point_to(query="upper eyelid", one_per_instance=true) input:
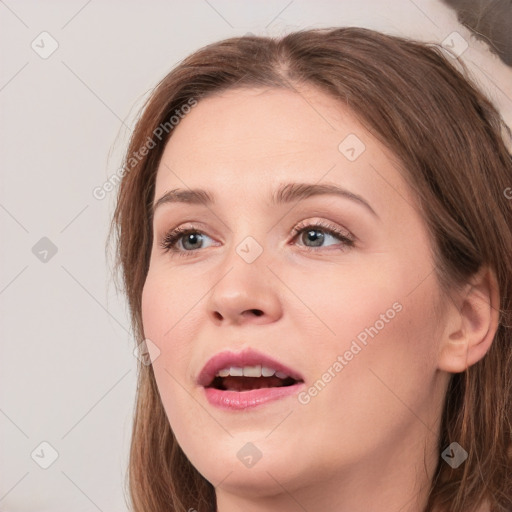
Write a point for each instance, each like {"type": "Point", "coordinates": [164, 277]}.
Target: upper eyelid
{"type": "Point", "coordinates": [323, 224]}
{"type": "Point", "coordinates": [313, 221]}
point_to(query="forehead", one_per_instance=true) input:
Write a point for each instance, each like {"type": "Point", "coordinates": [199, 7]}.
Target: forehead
{"type": "Point", "coordinates": [258, 124]}
{"type": "Point", "coordinates": [247, 141]}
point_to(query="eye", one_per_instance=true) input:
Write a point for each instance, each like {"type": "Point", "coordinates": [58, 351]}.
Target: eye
{"type": "Point", "coordinates": [190, 239]}
{"type": "Point", "coordinates": [318, 233]}
{"type": "Point", "coordinates": [185, 241]}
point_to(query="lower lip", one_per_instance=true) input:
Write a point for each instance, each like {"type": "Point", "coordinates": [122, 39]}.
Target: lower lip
{"type": "Point", "coordinates": [235, 400]}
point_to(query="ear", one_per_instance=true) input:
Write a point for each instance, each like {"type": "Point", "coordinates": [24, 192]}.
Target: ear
{"type": "Point", "coordinates": [471, 321]}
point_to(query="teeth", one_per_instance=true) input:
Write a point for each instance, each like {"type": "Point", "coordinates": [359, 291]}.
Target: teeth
{"type": "Point", "coordinates": [236, 371]}
{"type": "Point", "coordinates": [250, 371]}
{"type": "Point", "coordinates": [267, 372]}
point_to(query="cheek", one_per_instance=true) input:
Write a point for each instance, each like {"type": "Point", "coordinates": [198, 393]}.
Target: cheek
{"type": "Point", "coordinates": [169, 315]}
{"type": "Point", "coordinates": [380, 346]}
{"type": "Point", "coordinates": [169, 321]}
{"type": "Point", "coordinates": [174, 316]}
{"type": "Point", "coordinates": [368, 301]}
{"type": "Point", "coordinates": [384, 366]}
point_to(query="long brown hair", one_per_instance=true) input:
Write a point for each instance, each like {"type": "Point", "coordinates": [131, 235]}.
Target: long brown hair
{"type": "Point", "coordinates": [452, 145]}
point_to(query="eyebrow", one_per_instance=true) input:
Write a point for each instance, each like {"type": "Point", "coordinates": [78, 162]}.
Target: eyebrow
{"type": "Point", "coordinates": [286, 193]}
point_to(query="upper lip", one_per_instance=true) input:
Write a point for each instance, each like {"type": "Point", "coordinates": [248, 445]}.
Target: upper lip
{"type": "Point", "coordinates": [247, 357]}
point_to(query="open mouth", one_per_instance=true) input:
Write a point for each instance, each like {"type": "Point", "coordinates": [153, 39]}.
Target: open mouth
{"type": "Point", "coordinates": [249, 378]}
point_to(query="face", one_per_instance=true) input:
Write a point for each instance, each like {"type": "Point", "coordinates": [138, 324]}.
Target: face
{"type": "Point", "coordinates": [336, 290]}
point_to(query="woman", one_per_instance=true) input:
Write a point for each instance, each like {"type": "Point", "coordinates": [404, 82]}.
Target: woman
{"type": "Point", "coordinates": [315, 239]}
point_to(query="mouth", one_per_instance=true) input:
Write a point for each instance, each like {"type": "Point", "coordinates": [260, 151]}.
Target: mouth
{"type": "Point", "coordinates": [247, 379]}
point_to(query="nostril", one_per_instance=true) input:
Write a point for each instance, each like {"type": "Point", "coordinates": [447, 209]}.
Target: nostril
{"type": "Point", "coordinates": [255, 312]}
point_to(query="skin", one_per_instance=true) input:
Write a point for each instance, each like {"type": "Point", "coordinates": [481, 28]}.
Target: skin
{"type": "Point", "coordinates": [367, 441]}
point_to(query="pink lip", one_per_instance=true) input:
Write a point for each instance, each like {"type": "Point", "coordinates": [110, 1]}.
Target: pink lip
{"type": "Point", "coordinates": [245, 399]}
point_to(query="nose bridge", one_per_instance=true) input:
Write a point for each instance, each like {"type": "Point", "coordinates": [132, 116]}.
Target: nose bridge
{"type": "Point", "coordinates": [245, 287]}
{"type": "Point", "coordinates": [249, 242]}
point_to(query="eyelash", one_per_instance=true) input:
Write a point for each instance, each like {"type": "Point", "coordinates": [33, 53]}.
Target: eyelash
{"type": "Point", "coordinates": [169, 241]}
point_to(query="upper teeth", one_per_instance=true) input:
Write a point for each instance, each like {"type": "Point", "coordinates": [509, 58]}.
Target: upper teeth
{"type": "Point", "coordinates": [250, 371]}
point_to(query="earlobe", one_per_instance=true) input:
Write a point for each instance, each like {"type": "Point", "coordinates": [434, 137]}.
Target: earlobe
{"type": "Point", "coordinates": [471, 323]}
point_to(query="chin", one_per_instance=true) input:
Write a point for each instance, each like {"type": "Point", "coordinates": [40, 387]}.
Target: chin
{"type": "Point", "coordinates": [250, 468]}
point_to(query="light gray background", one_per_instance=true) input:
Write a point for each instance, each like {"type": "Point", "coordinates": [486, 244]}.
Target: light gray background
{"type": "Point", "coordinates": [66, 367]}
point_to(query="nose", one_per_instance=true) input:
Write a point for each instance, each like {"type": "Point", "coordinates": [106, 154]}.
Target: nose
{"type": "Point", "coordinates": [245, 293]}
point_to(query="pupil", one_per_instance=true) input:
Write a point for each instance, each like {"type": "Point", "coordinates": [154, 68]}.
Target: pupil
{"type": "Point", "coordinates": [314, 237]}
{"type": "Point", "coordinates": [191, 237]}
